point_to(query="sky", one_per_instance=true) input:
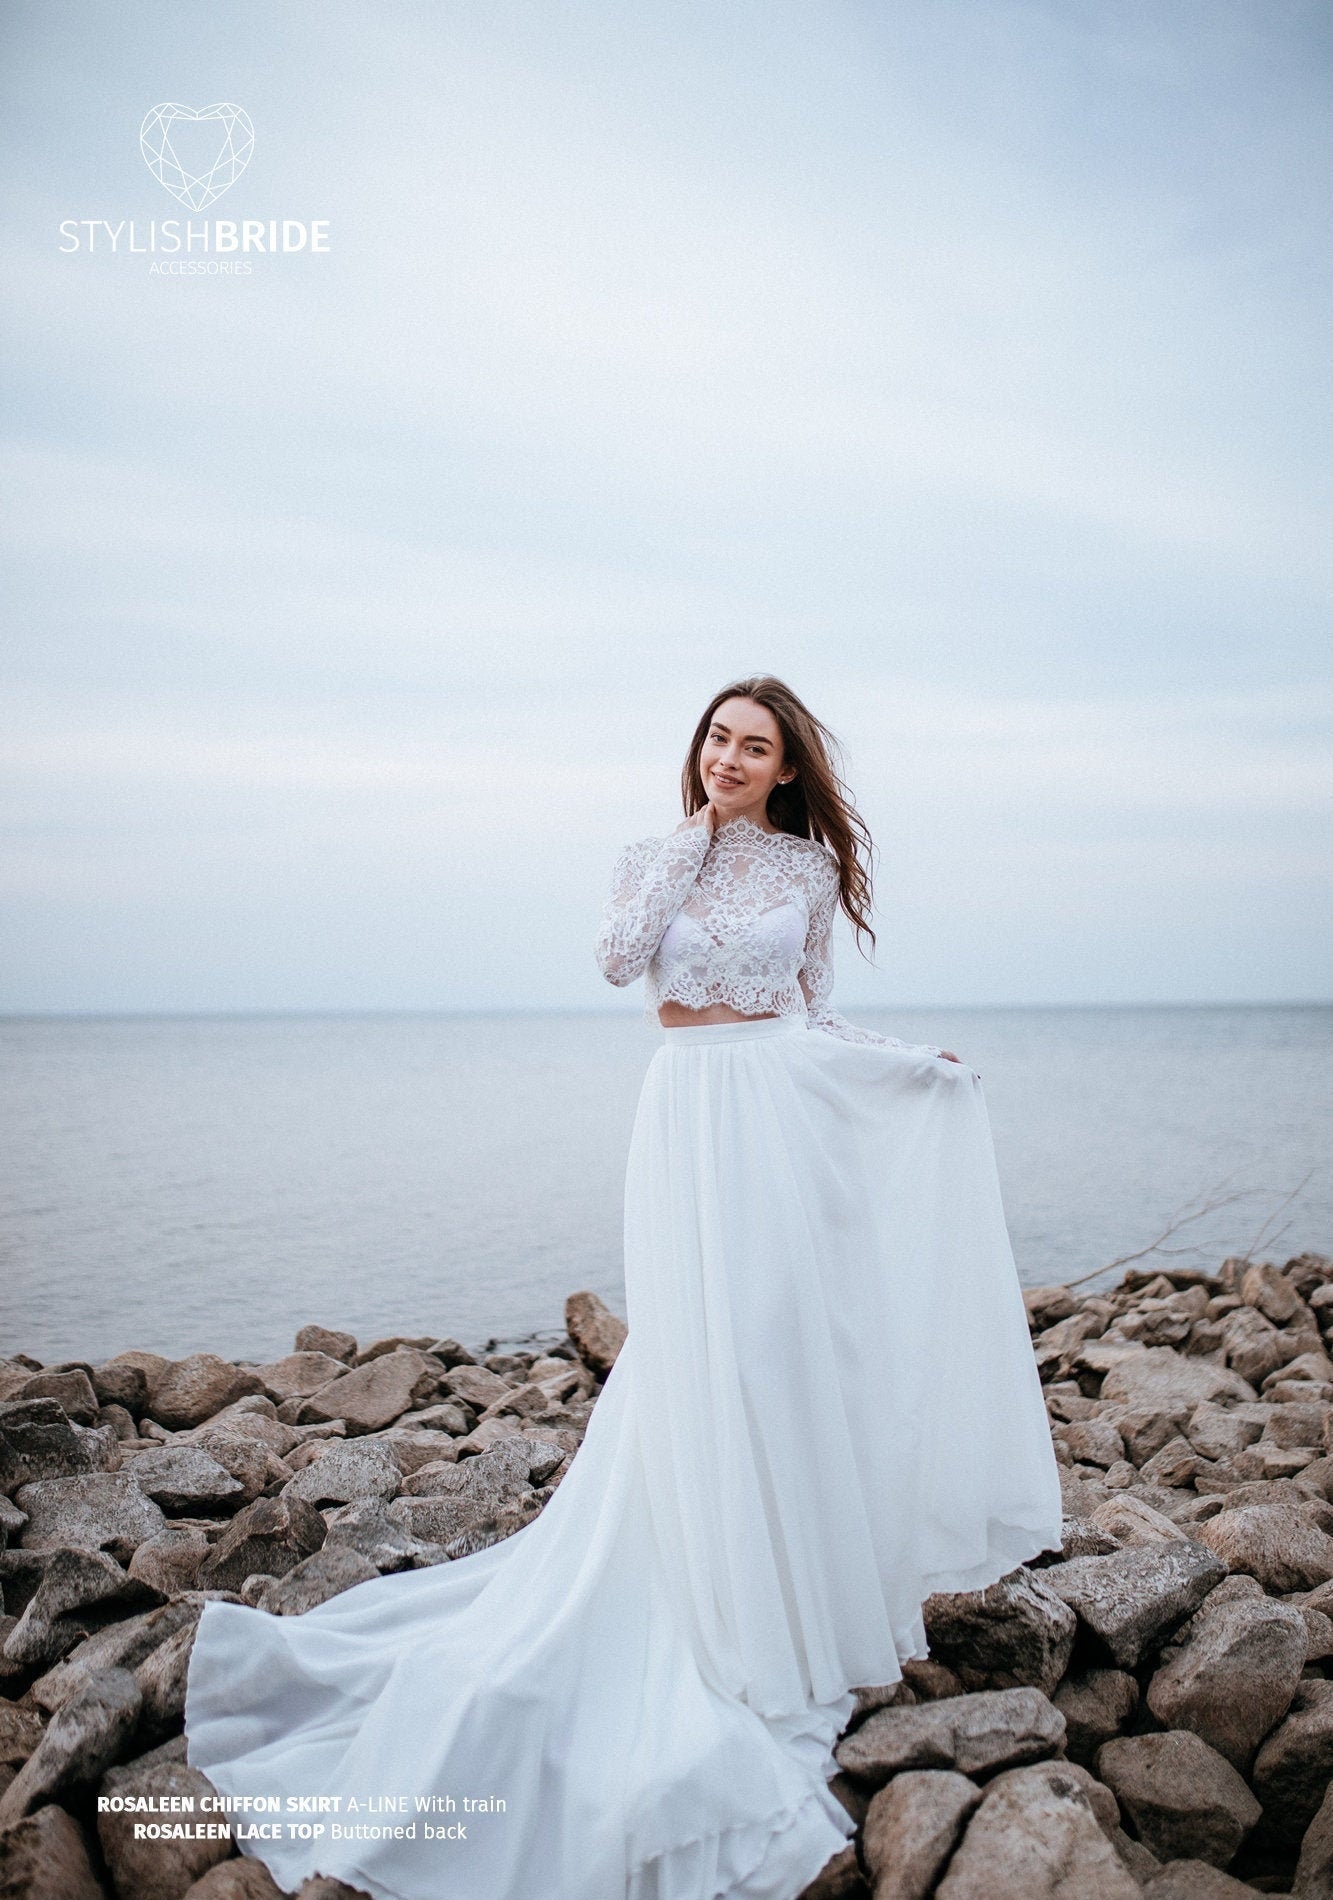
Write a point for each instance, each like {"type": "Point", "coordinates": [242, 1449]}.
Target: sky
{"type": "Point", "coordinates": [964, 364]}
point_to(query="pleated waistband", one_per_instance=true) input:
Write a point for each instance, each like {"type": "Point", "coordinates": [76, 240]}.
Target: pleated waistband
{"type": "Point", "coordinates": [734, 1032]}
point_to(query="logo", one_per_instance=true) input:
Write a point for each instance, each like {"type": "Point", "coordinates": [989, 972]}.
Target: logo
{"type": "Point", "coordinates": [196, 154]}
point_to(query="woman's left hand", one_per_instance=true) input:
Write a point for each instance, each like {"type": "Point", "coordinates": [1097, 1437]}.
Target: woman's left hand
{"type": "Point", "coordinates": [949, 1055]}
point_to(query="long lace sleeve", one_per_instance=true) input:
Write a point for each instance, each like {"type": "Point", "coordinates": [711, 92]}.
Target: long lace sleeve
{"type": "Point", "coordinates": [816, 980]}
{"type": "Point", "coordinates": [650, 882]}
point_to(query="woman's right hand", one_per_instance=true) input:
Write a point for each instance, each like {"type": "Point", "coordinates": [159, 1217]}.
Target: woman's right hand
{"type": "Point", "coordinates": [705, 816]}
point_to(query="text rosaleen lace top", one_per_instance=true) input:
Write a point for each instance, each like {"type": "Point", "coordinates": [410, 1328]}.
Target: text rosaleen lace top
{"type": "Point", "coordinates": [741, 916]}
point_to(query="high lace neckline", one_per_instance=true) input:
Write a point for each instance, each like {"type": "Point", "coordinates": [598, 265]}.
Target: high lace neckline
{"type": "Point", "coordinates": [748, 824]}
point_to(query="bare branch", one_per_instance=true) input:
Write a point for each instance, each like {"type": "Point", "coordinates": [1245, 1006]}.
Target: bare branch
{"type": "Point", "coordinates": [1192, 1210]}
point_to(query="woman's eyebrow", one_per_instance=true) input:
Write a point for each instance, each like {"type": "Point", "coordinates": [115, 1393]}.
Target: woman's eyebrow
{"type": "Point", "coordinates": [751, 738]}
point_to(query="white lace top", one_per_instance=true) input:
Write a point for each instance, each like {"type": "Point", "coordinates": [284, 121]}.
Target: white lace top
{"type": "Point", "coordinates": [741, 916]}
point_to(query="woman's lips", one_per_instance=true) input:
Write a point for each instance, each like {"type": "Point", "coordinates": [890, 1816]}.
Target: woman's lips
{"type": "Point", "coordinates": [726, 784]}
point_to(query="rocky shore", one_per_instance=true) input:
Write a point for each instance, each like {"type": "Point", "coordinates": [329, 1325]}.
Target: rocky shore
{"type": "Point", "coordinates": [1147, 1711]}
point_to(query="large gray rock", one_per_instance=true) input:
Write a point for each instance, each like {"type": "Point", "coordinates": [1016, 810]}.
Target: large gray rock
{"type": "Point", "coordinates": [38, 1442]}
{"type": "Point", "coordinates": [193, 1389]}
{"type": "Point", "coordinates": [20, 1732]}
{"type": "Point", "coordinates": [80, 1740]}
{"type": "Point", "coordinates": [269, 1537]}
{"type": "Point", "coordinates": [298, 1375]}
{"type": "Point", "coordinates": [347, 1472]}
{"type": "Point", "coordinates": [72, 1391]}
{"type": "Point", "coordinates": [1295, 1764]}
{"type": "Point", "coordinates": [1254, 1346]}
{"type": "Point", "coordinates": [1186, 1801]}
{"type": "Point", "coordinates": [1159, 1378]}
{"type": "Point", "coordinates": [170, 1561]}
{"type": "Point", "coordinates": [1218, 1431]}
{"type": "Point", "coordinates": [994, 1728]}
{"type": "Point", "coordinates": [71, 1580]}
{"type": "Point", "coordinates": [477, 1386]}
{"type": "Point", "coordinates": [912, 1827]}
{"type": "Point", "coordinates": [1014, 1632]}
{"type": "Point", "coordinates": [375, 1394]}
{"type": "Point", "coordinates": [185, 1478]}
{"type": "Point", "coordinates": [1131, 1600]}
{"type": "Point", "coordinates": [157, 1869]}
{"type": "Point", "coordinates": [100, 1511]}
{"type": "Point", "coordinates": [1276, 1543]}
{"type": "Point", "coordinates": [1036, 1835]}
{"type": "Point", "coordinates": [161, 1677]}
{"type": "Point", "coordinates": [367, 1528]}
{"type": "Point", "coordinates": [1194, 1880]}
{"type": "Point", "coordinates": [1132, 1520]}
{"type": "Point", "coordinates": [1233, 1675]}
{"type": "Point", "coordinates": [327, 1340]}
{"type": "Point", "coordinates": [597, 1332]}
{"type": "Point", "coordinates": [123, 1645]}
{"type": "Point", "coordinates": [239, 1879]}
{"type": "Point", "coordinates": [1314, 1870]}
{"type": "Point", "coordinates": [315, 1580]}
{"type": "Point", "coordinates": [45, 1857]}
{"type": "Point", "coordinates": [243, 1450]}
{"type": "Point", "coordinates": [1096, 1704]}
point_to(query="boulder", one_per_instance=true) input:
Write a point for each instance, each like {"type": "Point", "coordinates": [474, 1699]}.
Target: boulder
{"type": "Point", "coordinates": [20, 1732]}
{"type": "Point", "coordinates": [1014, 1632]}
{"type": "Point", "coordinates": [81, 1739]}
{"type": "Point", "coordinates": [1130, 1601]}
{"type": "Point", "coordinates": [1295, 1425]}
{"type": "Point", "coordinates": [101, 1511]}
{"type": "Point", "coordinates": [246, 1456]}
{"type": "Point", "coordinates": [1144, 1429]}
{"type": "Point", "coordinates": [159, 1869]}
{"type": "Point", "coordinates": [374, 1394]}
{"type": "Point", "coordinates": [993, 1728]}
{"type": "Point", "coordinates": [347, 1472]}
{"type": "Point", "coordinates": [1160, 1378]}
{"type": "Point", "coordinates": [1045, 1305]}
{"type": "Point", "coordinates": [1254, 1346]}
{"type": "Point", "coordinates": [37, 1442]}
{"type": "Point", "coordinates": [367, 1528]}
{"type": "Point", "coordinates": [193, 1389]}
{"type": "Point", "coordinates": [271, 1536]}
{"type": "Point", "coordinates": [72, 1392]}
{"type": "Point", "coordinates": [1092, 1441]}
{"type": "Point", "coordinates": [596, 1332]}
{"type": "Point", "coordinates": [124, 1645]}
{"type": "Point", "coordinates": [1233, 1675]}
{"type": "Point", "coordinates": [72, 1579]}
{"type": "Point", "coordinates": [1175, 1465]}
{"type": "Point", "coordinates": [161, 1678]}
{"type": "Point", "coordinates": [45, 1857]}
{"type": "Point", "coordinates": [1276, 1543]}
{"type": "Point", "coordinates": [185, 1478]}
{"type": "Point", "coordinates": [1096, 1704]}
{"type": "Point", "coordinates": [238, 1879]}
{"type": "Point", "coordinates": [477, 1386]}
{"type": "Point", "coordinates": [1132, 1521]}
{"type": "Point", "coordinates": [1267, 1288]}
{"type": "Point", "coordinates": [120, 1382]}
{"type": "Point", "coordinates": [315, 1580]}
{"type": "Point", "coordinates": [1293, 1768]}
{"type": "Point", "coordinates": [1194, 1880]}
{"type": "Point", "coordinates": [335, 1345]}
{"type": "Point", "coordinates": [1185, 1800]}
{"type": "Point", "coordinates": [1036, 1834]}
{"type": "Point", "coordinates": [911, 1828]}
{"type": "Point", "coordinates": [1314, 1870]}
{"type": "Point", "coordinates": [1216, 1431]}
{"type": "Point", "coordinates": [299, 1375]}
{"type": "Point", "coordinates": [170, 1561]}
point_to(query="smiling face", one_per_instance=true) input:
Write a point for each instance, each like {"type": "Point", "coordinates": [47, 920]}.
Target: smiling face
{"type": "Point", "coordinates": [741, 760]}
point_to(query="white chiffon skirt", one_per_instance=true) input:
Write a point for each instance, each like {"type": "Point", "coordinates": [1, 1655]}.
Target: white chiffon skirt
{"type": "Point", "coordinates": [827, 1408]}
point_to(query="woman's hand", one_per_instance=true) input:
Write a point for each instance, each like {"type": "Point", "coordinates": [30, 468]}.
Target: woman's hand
{"type": "Point", "coordinates": [706, 816]}
{"type": "Point", "coordinates": [949, 1055]}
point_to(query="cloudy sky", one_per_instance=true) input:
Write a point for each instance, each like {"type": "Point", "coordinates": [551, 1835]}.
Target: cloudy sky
{"type": "Point", "coordinates": [965, 364]}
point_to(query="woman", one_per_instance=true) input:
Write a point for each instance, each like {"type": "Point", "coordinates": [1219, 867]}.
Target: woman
{"type": "Point", "coordinates": [826, 1409]}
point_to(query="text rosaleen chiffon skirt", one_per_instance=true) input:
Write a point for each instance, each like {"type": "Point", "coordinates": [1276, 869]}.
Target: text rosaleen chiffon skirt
{"type": "Point", "coordinates": [827, 1408]}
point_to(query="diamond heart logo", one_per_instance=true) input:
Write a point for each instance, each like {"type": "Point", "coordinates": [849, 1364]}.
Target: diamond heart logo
{"type": "Point", "coordinates": [196, 154]}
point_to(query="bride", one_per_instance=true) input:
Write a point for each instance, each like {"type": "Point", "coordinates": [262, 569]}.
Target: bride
{"type": "Point", "coordinates": [826, 1409]}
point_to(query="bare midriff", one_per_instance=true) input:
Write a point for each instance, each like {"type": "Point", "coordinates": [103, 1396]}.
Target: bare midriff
{"type": "Point", "coordinates": [676, 1016]}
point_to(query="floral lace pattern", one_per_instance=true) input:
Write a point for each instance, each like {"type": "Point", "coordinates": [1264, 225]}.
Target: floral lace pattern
{"type": "Point", "coordinates": [741, 916]}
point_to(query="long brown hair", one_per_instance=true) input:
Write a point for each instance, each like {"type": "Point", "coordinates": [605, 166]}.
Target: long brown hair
{"type": "Point", "coordinates": [815, 804]}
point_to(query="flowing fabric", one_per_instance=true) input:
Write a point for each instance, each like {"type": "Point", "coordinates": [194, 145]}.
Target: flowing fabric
{"type": "Point", "coordinates": [827, 1408]}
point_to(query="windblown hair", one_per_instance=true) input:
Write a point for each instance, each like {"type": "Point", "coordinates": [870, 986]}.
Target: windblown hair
{"type": "Point", "coordinates": [815, 804]}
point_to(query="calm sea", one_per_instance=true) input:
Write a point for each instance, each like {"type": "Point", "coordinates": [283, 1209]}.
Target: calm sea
{"type": "Point", "coordinates": [214, 1182]}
